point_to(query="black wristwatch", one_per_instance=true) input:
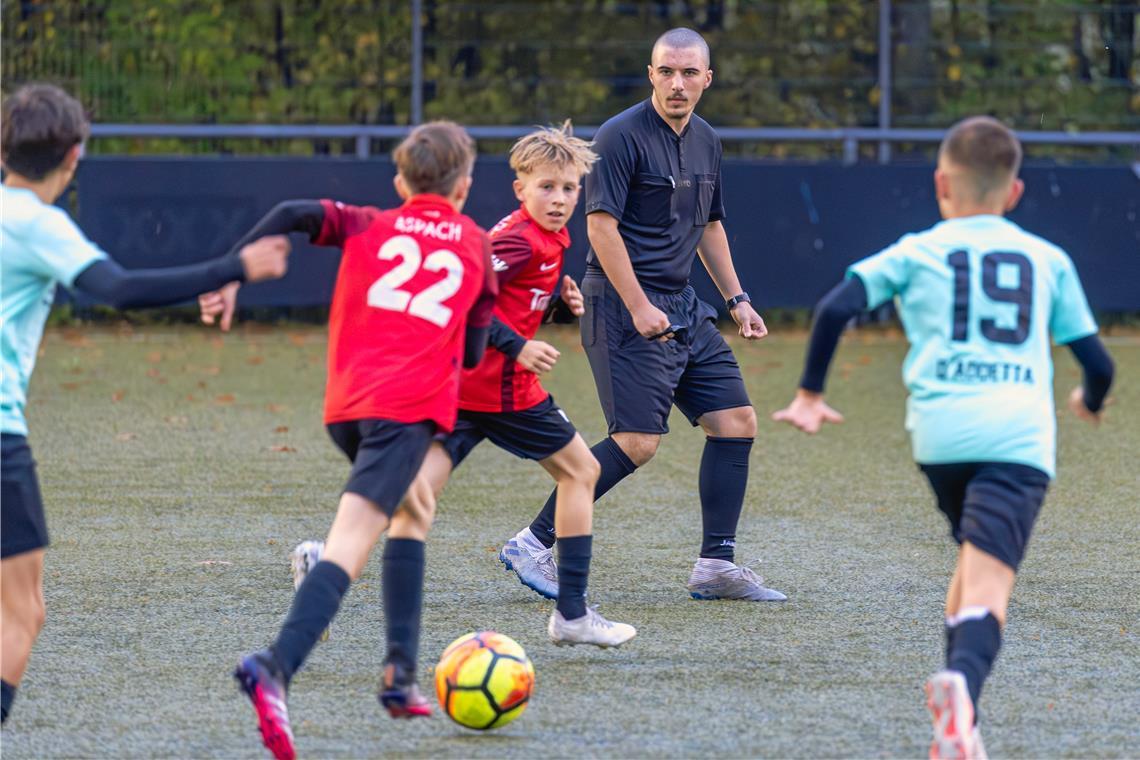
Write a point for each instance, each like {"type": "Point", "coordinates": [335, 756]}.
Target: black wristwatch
{"type": "Point", "coordinates": [735, 301]}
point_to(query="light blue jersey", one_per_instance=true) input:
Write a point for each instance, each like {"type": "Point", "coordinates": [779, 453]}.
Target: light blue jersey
{"type": "Point", "coordinates": [979, 297]}
{"type": "Point", "coordinates": [39, 246]}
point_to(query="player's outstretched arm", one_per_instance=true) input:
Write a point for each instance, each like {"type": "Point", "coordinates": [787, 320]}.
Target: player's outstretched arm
{"type": "Point", "coordinates": [1087, 401]}
{"type": "Point", "coordinates": [141, 288]}
{"type": "Point", "coordinates": [717, 258]}
{"type": "Point", "coordinates": [306, 216]}
{"type": "Point", "coordinates": [808, 411]}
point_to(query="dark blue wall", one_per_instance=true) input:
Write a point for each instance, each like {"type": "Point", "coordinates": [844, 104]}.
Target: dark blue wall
{"type": "Point", "coordinates": [793, 227]}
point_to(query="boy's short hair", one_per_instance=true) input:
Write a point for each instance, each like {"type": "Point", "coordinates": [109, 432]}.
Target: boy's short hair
{"type": "Point", "coordinates": [985, 148]}
{"type": "Point", "coordinates": [41, 124]}
{"type": "Point", "coordinates": [552, 145]}
{"type": "Point", "coordinates": [434, 156]}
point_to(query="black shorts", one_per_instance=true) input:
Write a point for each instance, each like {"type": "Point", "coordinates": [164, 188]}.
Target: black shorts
{"type": "Point", "coordinates": [640, 380]}
{"type": "Point", "coordinates": [385, 456]}
{"type": "Point", "coordinates": [534, 433]}
{"type": "Point", "coordinates": [993, 505]}
{"type": "Point", "coordinates": [23, 527]}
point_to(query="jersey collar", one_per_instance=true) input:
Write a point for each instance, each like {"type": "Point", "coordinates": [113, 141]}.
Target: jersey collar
{"type": "Point", "coordinates": [562, 237]}
{"type": "Point", "coordinates": [660, 122]}
{"type": "Point", "coordinates": [429, 200]}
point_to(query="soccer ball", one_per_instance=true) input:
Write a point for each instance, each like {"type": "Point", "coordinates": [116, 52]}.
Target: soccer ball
{"type": "Point", "coordinates": [484, 680]}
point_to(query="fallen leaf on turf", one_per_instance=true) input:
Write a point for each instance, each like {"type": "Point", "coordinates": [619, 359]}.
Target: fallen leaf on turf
{"type": "Point", "coordinates": [273, 407]}
{"type": "Point", "coordinates": [272, 542]}
{"type": "Point", "coordinates": [191, 397]}
{"type": "Point", "coordinates": [75, 371]}
{"type": "Point", "coordinates": [69, 386]}
{"type": "Point", "coordinates": [864, 359]}
{"type": "Point", "coordinates": [154, 357]}
{"type": "Point", "coordinates": [297, 339]}
{"type": "Point", "coordinates": [283, 449]}
{"type": "Point", "coordinates": [153, 372]}
{"type": "Point", "coordinates": [76, 339]}
{"type": "Point", "coordinates": [177, 420]}
{"type": "Point", "coordinates": [125, 437]}
{"type": "Point", "coordinates": [254, 360]}
{"type": "Point", "coordinates": [281, 429]}
{"type": "Point", "coordinates": [224, 398]}
{"type": "Point", "coordinates": [214, 562]}
{"type": "Point", "coordinates": [117, 396]}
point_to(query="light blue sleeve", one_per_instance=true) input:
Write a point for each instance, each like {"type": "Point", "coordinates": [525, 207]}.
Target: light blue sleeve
{"type": "Point", "coordinates": [62, 251]}
{"type": "Point", "coordinates": [885, 274]}
{"type": "Point", "coordinates": [1071, 318]}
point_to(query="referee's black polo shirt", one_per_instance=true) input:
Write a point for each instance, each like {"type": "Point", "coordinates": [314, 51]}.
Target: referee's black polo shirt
{"type": "Point", "coordinates": [663, 188]}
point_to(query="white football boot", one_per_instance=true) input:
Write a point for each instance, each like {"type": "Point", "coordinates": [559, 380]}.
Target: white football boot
{"type": "Point", "coordinates": [304, 558]}
{"type": "Point", "coordinates": [591, 628]}
{"type": "Point", "coordinates": [956, 737]}
{"type": "Point", "coordinates": [721, 579]}
{"type": "Point", "coordinates": [532, 562]}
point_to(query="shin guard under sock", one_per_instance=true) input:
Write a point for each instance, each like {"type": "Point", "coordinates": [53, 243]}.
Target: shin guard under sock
{"type": "Point", "coordinates": [573, 574]}
{"type": "Point", "coordinates": [723, 479]}
{"type": "Point", "coordinates": [975, 645]}
{"type": "Point", "coordinates": [403, 591]}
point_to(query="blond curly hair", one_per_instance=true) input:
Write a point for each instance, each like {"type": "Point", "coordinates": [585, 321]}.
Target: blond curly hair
{"type": "Point", "coordinates": [552, 145]}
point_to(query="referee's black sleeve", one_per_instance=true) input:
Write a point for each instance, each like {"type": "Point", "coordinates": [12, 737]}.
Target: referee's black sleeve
{"type": "Point", "coordinates": [607, 185]}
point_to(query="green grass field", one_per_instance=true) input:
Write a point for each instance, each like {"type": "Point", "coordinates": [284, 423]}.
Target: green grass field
{"type": "Point", "coordinates": [180, 467]}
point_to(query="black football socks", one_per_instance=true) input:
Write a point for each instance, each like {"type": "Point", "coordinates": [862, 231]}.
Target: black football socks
{"type": "Point", "coordinates": [723, 479]}
{"type": "Point", "coordinates": [616, 466]}
{"type": "Point", "coordinates": [403, 591]}
{"type": "Point", "coordinates": [573, 574]}
{"type": "Point", "coordinates": [314, 607]}
{"type": "Point", "coordinates": [974, 646]}
{"type": "Point", "coordinates": [9, 695]}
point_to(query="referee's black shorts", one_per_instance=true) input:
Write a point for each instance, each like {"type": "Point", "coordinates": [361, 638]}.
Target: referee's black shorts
{"type": "Point", "coordinates": [640, 380]}
{"type": "Point", "coordinates": [23, 527]}
{"type": "Point", "coordinates": [993, 505]}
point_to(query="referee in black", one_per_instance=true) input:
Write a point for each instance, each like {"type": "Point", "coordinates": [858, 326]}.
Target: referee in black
{"type": "Point", "coordinates": [653, 202]}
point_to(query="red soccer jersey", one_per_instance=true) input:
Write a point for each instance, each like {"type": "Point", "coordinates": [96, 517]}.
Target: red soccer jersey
{"type": "Point", "coordinates": [528, 261]}
{"type": "Point", "coordinates": [410, 280]}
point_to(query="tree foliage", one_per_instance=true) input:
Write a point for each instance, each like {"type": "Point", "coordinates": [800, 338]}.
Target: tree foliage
{"type": "Point", "coordinates": [1052, 64]}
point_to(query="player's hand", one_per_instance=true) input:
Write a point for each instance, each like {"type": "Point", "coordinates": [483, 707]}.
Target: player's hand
{"type": "Point", "coordinates": [219, 303]}
{"type": "Point", "coordinates": [537, 356]}
{"type": "Point", "coordinates": [266, 258]}
{"type": "Point", "coordinates": [572, 296]}
{"type": "Point", "coordinates": [752, 325]}
{"type": "Point", "coordinates": [1077, 406]}
{"type": "Point", "coordinates": [650, 321]}
{"type": "Point", "coordinates": [807, 412]}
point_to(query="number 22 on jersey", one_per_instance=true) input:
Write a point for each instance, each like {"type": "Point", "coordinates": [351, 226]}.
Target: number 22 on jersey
{"type": "Point", "coordinates": [386, 292]}
{"type": "Point", "coordinates": [1020, 295]}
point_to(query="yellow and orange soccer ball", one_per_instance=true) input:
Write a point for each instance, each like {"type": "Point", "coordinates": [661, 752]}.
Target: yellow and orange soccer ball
{"type": "Point", "coordinates": [484, 680]}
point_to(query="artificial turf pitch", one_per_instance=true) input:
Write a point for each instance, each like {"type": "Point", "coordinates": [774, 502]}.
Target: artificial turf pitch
{"type": "Point", "coordinates": [180, 467]}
